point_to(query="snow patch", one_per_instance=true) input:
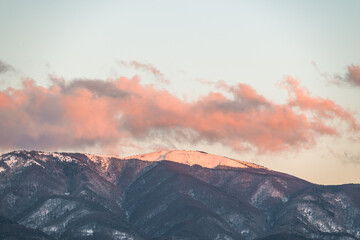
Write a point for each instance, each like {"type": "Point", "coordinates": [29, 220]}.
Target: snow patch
{"type": "Point", "coordinates": [322, 223]}
{"type": "Point", "coordinates": [51, 229]}
{"type": "Point", "coordinates": [11, 161]}
{"type": "Point", "coordinates": [11, 199]}
{"type": "Point", "coordinates": [58, 228]}
{"type": "Point", "coordinates": [32, 162]}
{"type": "Point", "coordinates": [48, 210]}
{"type": "Point", "coordinates": [86, 231]}
{"type": "Point", "coordinates": [265, 191]}
{"type": "Point", "coordinates": [56, 155]}
{"type": "Point", "coordinates": [117, 235]}
{"type": "Point", "coordinates": [62, 158]}
{"type": "Point", "coordinates": [337, 199]}
{"type": "Point", "coordinates": [16, 162]}
{"type": "Point", "coordinates": [282, 182]}
{"type": "Point", "coordinates": [191, 193]}
{"type": "Point", "coordinates": [223, 237]}
{"type": "Point", "coordinates": [194, 158]}
{"type": "Point", "coordinates": [101, 160]}
{"type": "Point", "coordinates": [245, 232]}
{"type": "Point", "coordinates": [235, 220]}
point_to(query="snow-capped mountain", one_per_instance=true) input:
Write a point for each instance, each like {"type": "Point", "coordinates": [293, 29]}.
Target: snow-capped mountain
{"type": "Point", "coordinates": [166, 195]}
{"type": "Point", "coordinates": [202, 159]}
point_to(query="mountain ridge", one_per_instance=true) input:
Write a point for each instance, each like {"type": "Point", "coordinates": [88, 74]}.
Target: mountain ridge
{"type": "Point", "coordinates": [74, 195]}
{"type": "Point", "coordinates": [202, 158]}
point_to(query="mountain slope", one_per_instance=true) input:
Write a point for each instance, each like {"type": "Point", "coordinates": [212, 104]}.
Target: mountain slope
{"type": "Point", "coordinates": [12, 230]}
{"type": "Point", "coordinates": [169, 194]}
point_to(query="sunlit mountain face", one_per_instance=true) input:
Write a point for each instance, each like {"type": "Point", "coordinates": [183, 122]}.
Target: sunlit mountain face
{"type": "Point", "coordinates": [166, 195]}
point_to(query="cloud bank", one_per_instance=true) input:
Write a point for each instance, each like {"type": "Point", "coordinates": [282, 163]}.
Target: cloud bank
{"type": "Point", "coordinates": [90, 112]}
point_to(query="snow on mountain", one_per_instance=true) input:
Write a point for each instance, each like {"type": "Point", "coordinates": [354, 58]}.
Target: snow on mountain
{"type": "Point", "coordinates": [194, 158]}
{"type": "Point", "coordinates": [266, 190]}
{"type": "Point", "coordinates": [166, 194]}
{"type": "Point", "coordinates": [18, 159]}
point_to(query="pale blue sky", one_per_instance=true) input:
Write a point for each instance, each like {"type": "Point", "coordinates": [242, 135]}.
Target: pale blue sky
{"type": "Point", "coordinates": [230, 40]}
{"type": "Point", "coordinates": [253, 42]}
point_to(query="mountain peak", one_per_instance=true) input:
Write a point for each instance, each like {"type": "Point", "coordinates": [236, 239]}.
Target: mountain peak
{"type": "Point", "coordinates": [194, 158]}
{"type": "Point", "coordinates": [18, 159]}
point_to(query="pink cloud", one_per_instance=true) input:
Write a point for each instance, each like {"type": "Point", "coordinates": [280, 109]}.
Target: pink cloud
{"type": "Point", "coordinates": [86, 113]}
{"type": "Point", "coordinates": [322, 108]}
{"type": "Point", "coordinates": [353, 75]}
{"type": "Point", "coordinates": [147, 68]}
{"type": "Point", "coordinates": [351, 78]}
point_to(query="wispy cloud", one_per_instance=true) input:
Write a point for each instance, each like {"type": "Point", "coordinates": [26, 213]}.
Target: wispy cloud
{"type": "Point", "coordinates": [85, 113]}
{"type": "Point", "coordinates": [4, 67]}
{"type": "Point", "coordinates": [96, 86]}
{"type": "Point", "coordinates": [350, 78]}
{"type": "Point", "coordinates": [346, 157]}
{"type": "Point", "coordinates": [147, 68]}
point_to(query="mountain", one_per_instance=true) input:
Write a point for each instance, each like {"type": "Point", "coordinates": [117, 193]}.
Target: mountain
{"type": "Point", "coordinates": [166, 195]}
{"type": "Point", "coordinates": [13, 230]}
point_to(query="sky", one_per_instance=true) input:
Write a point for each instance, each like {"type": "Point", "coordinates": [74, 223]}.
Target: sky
{"type": "Point", "coordinates": [272, 82]}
